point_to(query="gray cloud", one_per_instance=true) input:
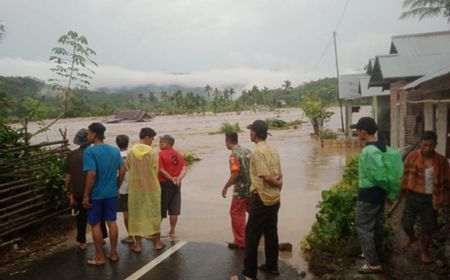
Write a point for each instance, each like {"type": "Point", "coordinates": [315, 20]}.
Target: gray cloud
{"type": "Point", "coordinates": [218, 42]}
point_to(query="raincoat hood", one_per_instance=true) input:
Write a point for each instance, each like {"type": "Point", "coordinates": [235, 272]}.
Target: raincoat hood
{"type": "Point", "coordinates": [140, 150]}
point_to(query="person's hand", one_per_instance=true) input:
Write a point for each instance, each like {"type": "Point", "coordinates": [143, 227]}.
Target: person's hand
{"type": "Point", "coordinates": [224, 192]}
{"type": "Point", "coordinates": [85, 202]}
{"type": "Point", "coordinates": [279, 181]}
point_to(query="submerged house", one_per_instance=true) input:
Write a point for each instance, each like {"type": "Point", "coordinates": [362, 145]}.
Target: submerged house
{"type": "Point", "coordinates": [131, 116]}
{"type": "Point", "coordinates": [348, 92]}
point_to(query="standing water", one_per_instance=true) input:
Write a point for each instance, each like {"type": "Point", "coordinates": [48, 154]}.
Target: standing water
{"type": "Point", "coordinates": [307, 170]}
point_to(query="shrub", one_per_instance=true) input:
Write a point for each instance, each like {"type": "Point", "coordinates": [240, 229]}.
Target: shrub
{"type": "Point", "coordinates": [280, 124]}
{"type": "Point", "coordinates": [334, 230]}
{"type": "Point", "coordinates": [190, 158]}
{"type": "Point", "coordinates": [227, 127]}
{"type": "Point", "coordinates": [327, 134]}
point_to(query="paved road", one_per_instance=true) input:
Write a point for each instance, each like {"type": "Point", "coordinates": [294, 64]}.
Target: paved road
{"type": "Point", "coordinates": [177, 261]}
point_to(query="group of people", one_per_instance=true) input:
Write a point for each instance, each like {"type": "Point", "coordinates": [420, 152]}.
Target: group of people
{"type": "Point", "coordinates": [102, 180]}
{"type": "Point", "coordinates": [145, 185]}
{"type": "Point", "coordinates": [424, 181]}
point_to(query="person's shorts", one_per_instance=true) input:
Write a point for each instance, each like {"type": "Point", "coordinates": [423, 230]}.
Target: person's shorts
{"type": "Point", "coordinates": [102, 210]}
{"type": "Point", "coordinates": [170, 199]}
{"type": "Point", "coordinates": [122, 203]}
{"type": "Point", "coordinates": [421, 205]}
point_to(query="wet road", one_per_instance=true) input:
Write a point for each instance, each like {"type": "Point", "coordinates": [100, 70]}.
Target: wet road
{"type": "Point", "coordinates": [177, 261]}
{"type": "Point", "coordinates": [307, 169]}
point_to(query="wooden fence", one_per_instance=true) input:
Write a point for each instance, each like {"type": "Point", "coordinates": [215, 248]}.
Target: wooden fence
{"type": "Point", "coordinates": [24, 200]}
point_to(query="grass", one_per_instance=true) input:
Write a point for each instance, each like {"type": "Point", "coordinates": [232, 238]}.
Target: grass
{"type": "Point", "coordinates": [227, 127]}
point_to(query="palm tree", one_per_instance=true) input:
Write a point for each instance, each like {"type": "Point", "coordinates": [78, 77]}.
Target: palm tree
{"type": "Point", "coordinates": [426, 8]}
{"type": "Point", "coordinates": [2, 30]}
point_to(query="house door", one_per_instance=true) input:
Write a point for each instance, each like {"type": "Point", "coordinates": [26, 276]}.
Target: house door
{"type": "Point", "coordinates": [448, 133]}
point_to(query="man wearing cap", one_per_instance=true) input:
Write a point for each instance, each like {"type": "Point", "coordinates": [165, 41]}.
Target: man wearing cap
{"type": "Point", "coordinates": [371, 197]}
{"type": "Point", "coordinates": [74, 179]}
{"type": "Point", "coordinates": [266, 182]}
{"type": "Point", "coordinates": [172, 169]}
{"type": "Point", "coordinates": [102, 163]}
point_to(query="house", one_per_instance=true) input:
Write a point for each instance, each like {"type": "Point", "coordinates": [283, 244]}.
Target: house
{"type": "Point", "coordinates": [131, 116]}
{"type": "Point", "coordinates": [348, 92]}
{"type": "Point", "coordinates": [415, 62]}
{"type": "Point", "coordinates": [432, 93]}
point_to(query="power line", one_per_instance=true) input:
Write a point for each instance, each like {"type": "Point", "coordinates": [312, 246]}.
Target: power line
{"type": "Point", "coordinates": [328, 44]}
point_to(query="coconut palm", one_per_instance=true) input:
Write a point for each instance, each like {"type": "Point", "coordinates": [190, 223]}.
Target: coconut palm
{"type": "Point", "coordinates": [2, 30]}
{"type": "Point", "coordinates": [426, 8]}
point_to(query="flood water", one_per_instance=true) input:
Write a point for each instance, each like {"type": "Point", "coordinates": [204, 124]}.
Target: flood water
{"type": "Point", "coordinates": [307, 170]}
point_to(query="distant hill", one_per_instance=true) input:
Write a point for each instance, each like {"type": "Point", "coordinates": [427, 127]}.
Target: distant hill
{"type": "Point", "coordinates": [170, 89]}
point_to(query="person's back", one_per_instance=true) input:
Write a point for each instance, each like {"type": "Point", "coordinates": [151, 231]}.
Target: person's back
{"type": "Point", "coordinates": [243, 182]}
{"type": "Point", "coordinates": [105, 160]}
{"type": "Point", "coordinates": [74, 167]}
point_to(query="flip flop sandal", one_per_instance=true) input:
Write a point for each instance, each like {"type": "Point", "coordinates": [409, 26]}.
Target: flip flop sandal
{"type": "Point", "coordinates": [83, 246]}
{"type": "Point", "coordinates": [160, 248]}
{"type": "Point", "coordinates": [136, 251]}
{"type": "Point", "coordinates": [112, 259]}
{"type": "Point", "coordinates": [94, 262]}
{"type": "Point", "coordinates": [366, 269]}
{"type": "Point", "coordinates": [127, 241]}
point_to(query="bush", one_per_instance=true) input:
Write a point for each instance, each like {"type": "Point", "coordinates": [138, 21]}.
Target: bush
{"type": "Point", "coordinates": [190, 158]}
{"type": "Point", "coordinates": [280, 124]}
{"type": "Point", "coordinates": [327, 134]}
{"type": "Point", "coordinates": [227, 127]}
{"type": "Point", "coordinates": [334, 230]}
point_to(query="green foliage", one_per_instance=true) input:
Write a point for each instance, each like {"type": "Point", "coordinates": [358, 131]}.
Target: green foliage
{"type": "Point", "coordinates": [11, 137]}
{"type": "Point", "coordinates": [228, 127]}
{"type": "Point", "coordinates": [275, 123]}
{"type": "Point", "coordinates": [72, 59]}
{"type": "Point", "coordinates": [334, 230]}
{"type": "Point", "coordinates": [51, 176]}
{"type": "Point", "coordinates": [190, 158]}
{"type": "Point", "coordinates": [316, 111]}
{"type": "Point", "coordinates": [327, 134]}
{"type": "Point", "coordinates": [426, 8]}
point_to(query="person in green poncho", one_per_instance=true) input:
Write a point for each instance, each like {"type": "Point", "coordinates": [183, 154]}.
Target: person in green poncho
{"type": "Point", "coordinates": [144, 191]}
{"type": "Point", "coordinates": [371, 197]}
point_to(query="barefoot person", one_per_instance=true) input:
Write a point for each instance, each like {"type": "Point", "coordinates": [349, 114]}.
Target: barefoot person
{"type": "Point", "coordinates": [239, 178]}
{"type": "Point", "coordinates": [122, 200]}
{"type": "Point", "coordinates": [426, 182]}
{"type": "Point", "coordinates": [105, 173]}
{"type": "Point", "coordinates": [172, 169]}
{"type": "Point", "coordinates": [74, 179]}
{"type": "Point", "coordinates": [266, 182]}
{"type": "Point", "coordinates": [144, 192]}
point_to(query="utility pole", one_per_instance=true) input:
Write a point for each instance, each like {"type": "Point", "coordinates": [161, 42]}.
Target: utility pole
{"type": "Point", "coordinates": [337, 79]}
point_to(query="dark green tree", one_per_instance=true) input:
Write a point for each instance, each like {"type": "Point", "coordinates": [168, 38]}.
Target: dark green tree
{"type": "Point", "coordinates": [426, 8]}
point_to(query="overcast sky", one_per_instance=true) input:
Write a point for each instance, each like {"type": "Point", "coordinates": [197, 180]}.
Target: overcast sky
{"type": "Point", "coordinates": [216, 42]}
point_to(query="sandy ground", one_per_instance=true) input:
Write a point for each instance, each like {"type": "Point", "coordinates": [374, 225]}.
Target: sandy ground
{"type": "Point", "coordinates": [307, 171]}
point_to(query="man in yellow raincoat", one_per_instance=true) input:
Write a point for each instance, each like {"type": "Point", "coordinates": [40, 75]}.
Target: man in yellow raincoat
{"type": "Point", "coordinates": [144, 191]}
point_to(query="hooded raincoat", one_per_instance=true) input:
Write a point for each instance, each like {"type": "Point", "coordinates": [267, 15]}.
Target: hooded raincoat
{"type": "Point", "coordinates": [144, 191]}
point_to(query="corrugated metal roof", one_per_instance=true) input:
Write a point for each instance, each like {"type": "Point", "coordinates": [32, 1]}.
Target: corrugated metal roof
{"type": "Point", "coordinates": [432, 43]}
{"type": "Point", "coordinates": [395, 67]}
{"type": "Point", "coordinates": [349, 85]}
{"type": "Point", "coordinates": [365, 91]}
{"type": "Point", "coordinates": [427, 78]}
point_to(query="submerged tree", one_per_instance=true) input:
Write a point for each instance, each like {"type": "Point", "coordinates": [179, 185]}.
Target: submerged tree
{"type": "Point", "coordinates": [316, 111]}
{"type": "Point", "coordinates": [426, 8]}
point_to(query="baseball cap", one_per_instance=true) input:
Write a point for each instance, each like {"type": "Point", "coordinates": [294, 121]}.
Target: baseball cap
{"type": "Point", "coordinates": [168, 138]}
{"type": "Point", "coordinates": [259, 127]}
{"type": "Point", "coordinates": [366, 123]}
{"type": "Point", "coordinates": [81, 137]}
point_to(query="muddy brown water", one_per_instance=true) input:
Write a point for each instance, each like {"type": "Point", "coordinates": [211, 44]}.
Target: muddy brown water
{"type": "Point", "coordinates": [307, 169]}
